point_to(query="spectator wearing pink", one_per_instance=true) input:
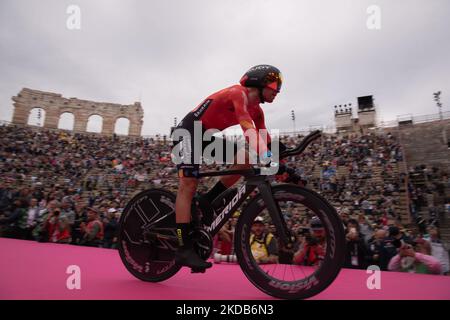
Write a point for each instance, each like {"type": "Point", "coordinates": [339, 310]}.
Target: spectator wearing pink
{"type": "Point", "coordinates": [408, 260]}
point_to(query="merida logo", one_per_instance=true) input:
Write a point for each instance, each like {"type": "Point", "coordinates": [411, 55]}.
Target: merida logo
{"type": "Point", "coordinates": [227, 209]}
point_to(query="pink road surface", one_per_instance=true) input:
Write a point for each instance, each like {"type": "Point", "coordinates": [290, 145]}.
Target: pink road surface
{"type": "Point", "coordinates": [31, 270]}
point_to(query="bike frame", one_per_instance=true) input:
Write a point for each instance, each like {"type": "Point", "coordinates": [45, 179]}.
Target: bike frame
{"type": "Point", "coordinates": [255, 180]}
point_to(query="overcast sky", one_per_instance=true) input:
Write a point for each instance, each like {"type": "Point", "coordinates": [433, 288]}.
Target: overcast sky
{"type": "Point", "coordinates": [171, 54]}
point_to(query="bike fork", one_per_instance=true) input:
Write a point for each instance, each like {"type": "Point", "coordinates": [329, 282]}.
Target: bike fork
{"type": "Point", "coordinates": [275, 212]}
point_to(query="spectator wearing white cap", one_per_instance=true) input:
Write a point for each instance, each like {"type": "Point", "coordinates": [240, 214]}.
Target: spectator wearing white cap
{"type": "Point", "coordinates": [111, 228]}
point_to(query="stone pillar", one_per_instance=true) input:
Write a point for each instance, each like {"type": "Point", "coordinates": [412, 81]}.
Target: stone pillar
{"type": "Point", "coordinates": [21, 114]}
{"type": "Point", "coordinates": [80, 122]}
{"type": "Point", "coordinates": [108, 125]}
{"type": "Point", "coordinates": [51, 118]}
{"type": "Point", "coordinates": [135, 128]}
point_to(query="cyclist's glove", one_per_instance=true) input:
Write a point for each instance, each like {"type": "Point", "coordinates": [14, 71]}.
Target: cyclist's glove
{"type": "Point", "coordinates": [266, 158]}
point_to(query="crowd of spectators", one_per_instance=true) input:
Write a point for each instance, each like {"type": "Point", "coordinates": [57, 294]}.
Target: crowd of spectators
{"type": "Point", "coordinates": [67, 187]}
{"type": "Point", "coordinates": [429, 192]}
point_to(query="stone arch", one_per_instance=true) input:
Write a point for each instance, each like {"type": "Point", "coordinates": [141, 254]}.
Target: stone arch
{"type": "Point", "coordinates": [55, 105]}
{"type": "Point", "coordinates": [122, 126]}
{"type": "Point", "coordinates": [66, 120]}
{"type": "Point", "coordinates": [36, 117]}
{"type": "Point", "coordinates": [95, 123]}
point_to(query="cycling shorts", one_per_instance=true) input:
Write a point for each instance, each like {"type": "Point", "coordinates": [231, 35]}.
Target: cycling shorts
{"type": "Point", "coordinates": [190, 158]}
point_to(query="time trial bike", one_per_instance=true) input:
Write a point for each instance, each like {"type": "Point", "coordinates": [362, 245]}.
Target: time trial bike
{"type": "Point", "coordinates": [306, 263]}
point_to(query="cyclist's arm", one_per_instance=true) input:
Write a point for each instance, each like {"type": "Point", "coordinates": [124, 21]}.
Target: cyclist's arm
{"type": "Point", "coordinates": [240, 103]}
{"type": "Point", "coordinates": [260, 125]}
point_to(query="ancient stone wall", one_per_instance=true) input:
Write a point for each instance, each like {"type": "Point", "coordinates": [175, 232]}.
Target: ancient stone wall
{"type": "Point", "coordinates": [55, 105]}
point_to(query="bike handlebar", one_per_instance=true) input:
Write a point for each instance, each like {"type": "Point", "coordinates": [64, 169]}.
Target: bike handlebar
{"type": "Point", "coordinates": [286, 153]}
{"type": "Point", "coordinates": [303, 145]}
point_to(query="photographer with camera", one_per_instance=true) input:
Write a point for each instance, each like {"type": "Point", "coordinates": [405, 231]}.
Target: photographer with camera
{"type": "Point", "coordinates": [312, 244]}
{"type": "Point", "coordinates": [416, 259]}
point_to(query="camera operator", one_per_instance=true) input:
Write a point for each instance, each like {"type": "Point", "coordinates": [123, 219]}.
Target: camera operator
{"type": "Point", "coordinates": [310, 253]}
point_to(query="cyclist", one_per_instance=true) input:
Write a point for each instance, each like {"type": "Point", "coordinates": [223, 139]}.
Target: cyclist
{"type": "Point", "coordinates": [238, 104]}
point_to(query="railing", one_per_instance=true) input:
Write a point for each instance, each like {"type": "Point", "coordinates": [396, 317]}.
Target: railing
{"type": "Point", "coordinates": [416, 119]}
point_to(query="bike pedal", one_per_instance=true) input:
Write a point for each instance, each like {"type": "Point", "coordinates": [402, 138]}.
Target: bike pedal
{"type": "Point", "coordinates": [198, 270]}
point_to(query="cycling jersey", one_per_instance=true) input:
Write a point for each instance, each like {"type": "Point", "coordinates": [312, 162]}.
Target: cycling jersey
{"type": "Point", "coordinates": [221, 110]}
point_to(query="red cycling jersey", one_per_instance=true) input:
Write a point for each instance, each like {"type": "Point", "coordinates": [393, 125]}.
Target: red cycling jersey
{"type": "Point", "coordinates": [229, 107]}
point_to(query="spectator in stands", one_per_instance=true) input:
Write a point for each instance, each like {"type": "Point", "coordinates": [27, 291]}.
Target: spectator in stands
{"type": "Point", "coordinates": [263, 244]}
{"type": "Point", "coordinates": [6, 195]}
{"type": "Point", "coordinates": [32, 216]}
{"type": "Point", "coordinates": [344, 217]}
{"type": "Point", "coordinates": [381, 250]}
{"type": "Point", "coordinates": [356, 250]}
{"type": "Point", "coordinates": [40, 232]}
{"type": "Point", "coordinates": [38, 193]}
{"type": "Point", "coordinates": [16, 219]}
{"type": "Point", "coordinates": [80, 217]}
{"type": "Point", "coordinates": [111, 228]}
{"type": "Point", "coordinates": [310, 251]}
{"type": "Point", "coordinates": [410, 260]}
{"type": "Point", "coordinates": [67, 211]}
{"type": "Point", "coordinates": [364, 228]}
{"type": "Point", "coordinates": [93, 230]}
{"type": "Point", "coordinates": [58, 227]}
{"type": "Point", "coordinates": [398, 235]}
{"type": "Point", "coordinates": [438, 250]}
{"type": "Point", "coordinates": [366, 206]}
{"type": "Point", "coordinates": [318, 231]}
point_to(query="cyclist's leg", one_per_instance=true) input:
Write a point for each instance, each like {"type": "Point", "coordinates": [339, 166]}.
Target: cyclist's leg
{"type": "Point", "coordinates": [187, 173]}
{"type": "Point", "coordinates": [186, 190]}
{"type": "Point", "coordinates": [186, 254]}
